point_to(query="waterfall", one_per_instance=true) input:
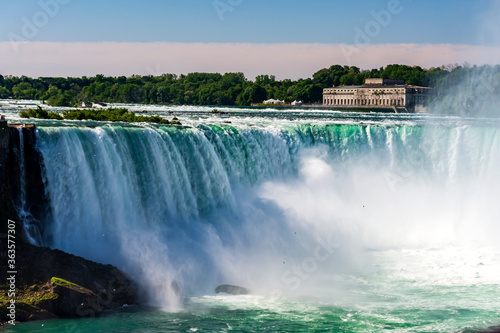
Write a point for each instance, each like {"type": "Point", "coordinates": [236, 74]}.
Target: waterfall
{"type": "Point", "coordinates": [19, 152]}
{"type": "Point", "coordinates": [30, 224]}
{"type": "Point", "coordinates": [241, 204]}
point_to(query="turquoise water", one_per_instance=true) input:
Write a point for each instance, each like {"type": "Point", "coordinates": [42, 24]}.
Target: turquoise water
{"type": "Point", "coordinates": [336, 222]}
{"type": "Point", "coordinates": [433, 310]}
{"type": "Point", "coordinates": [384, 300]}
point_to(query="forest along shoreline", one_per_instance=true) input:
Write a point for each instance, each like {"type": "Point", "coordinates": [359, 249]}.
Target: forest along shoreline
{"type": "Point", "coordinates": [229, 89]}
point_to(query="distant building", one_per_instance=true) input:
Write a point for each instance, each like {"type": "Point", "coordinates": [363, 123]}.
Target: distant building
{"type": "Point", "coordinates": [273, 101]}
{"type": "Point", "coordinates": [378, 93]}
{"type": "Point", "coordinates": [97, 105]}
{"type": "Point", "coordinates": [297, 103]}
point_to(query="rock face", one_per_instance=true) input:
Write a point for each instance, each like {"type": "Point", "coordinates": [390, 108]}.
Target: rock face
{"type": "Point", "coordinates": [48, 283]}
{"type": "Point", "coordinates": [54, 284]}
{"type": "Point", "coordinates": [6, 207]}
{"type": "Point", "coordinates": [21, 182]}
{"type": "Point", "coordinates": [232, 290]}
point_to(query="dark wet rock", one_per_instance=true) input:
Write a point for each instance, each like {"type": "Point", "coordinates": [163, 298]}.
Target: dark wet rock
{"type": "Point", "coordinates": [54, 284]}
{"type": "Point", "coordinates": [11, 174]}
{"type": "Point", "coordinates": [232, 290]}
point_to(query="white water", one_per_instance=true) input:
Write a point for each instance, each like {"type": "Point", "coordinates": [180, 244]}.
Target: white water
{"type": "Point", "coordinates": [282, 210]}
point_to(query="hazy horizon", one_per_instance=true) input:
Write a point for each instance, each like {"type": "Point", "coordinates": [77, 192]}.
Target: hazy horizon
{"type": "Point", "coordinates": [287, 39]}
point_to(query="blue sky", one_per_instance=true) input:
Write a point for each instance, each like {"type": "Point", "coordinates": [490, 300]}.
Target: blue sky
{"type": "Point", "coordinates": [178, 35]}
{"type": "Point", "coordinates": [252, 21]}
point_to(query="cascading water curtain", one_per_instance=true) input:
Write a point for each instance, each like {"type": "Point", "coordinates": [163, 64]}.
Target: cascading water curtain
{"type": "Point", "coordinates": [226, 203]}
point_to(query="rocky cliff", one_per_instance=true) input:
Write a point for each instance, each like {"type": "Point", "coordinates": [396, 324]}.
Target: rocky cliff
{"type": "Point", "coordinates": [46, 283]}
{"type": "Point", "coordinates": [54, 284]}
{"type": "Point", "coordinates": [6, 207]}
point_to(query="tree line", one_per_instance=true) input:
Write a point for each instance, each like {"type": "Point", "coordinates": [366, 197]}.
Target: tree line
{"type": "Point", "coordinates": [219, 89]}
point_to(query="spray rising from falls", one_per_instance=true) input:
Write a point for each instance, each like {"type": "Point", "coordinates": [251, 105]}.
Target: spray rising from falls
{"type": "Point", "coordinates": [263, 207]}
{"type": "Point", "coordinates": [468, 91]}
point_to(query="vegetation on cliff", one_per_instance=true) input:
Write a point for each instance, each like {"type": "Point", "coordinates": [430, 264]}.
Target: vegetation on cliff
{"type": "Point", "coordinates": [111, 114]}
{"type": "Point", "coordinates": [214, 88]}
{"type": "Point", "coordinates": [63, 283]}
{"type": "Point", "coordinates": [40, 114]}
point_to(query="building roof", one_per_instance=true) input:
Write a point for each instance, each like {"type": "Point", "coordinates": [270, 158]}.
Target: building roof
{"type": "Point", "coordinates": [378, 86]}
{"type": "Point", "coordinates": [379, 83]}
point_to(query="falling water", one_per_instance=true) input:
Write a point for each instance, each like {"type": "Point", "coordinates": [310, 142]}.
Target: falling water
{"type": "Point", "coordinates": [335, 221]}
{"type": "Point", "coordinates": [250, 205]}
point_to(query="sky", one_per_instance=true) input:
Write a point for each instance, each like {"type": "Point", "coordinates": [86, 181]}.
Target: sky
{"type": "Point", "coordinates": [286, 38]}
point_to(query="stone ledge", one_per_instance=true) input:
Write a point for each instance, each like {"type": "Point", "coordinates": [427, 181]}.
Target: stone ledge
{"type": "Point", "coordinates": [55, 284]}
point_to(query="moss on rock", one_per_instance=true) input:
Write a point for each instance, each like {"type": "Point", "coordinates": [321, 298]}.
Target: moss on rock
{"type": "Point", "coordinates": [63, 283]}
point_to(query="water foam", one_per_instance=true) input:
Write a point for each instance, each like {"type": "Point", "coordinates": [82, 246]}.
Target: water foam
{"type": "Point", "coordinates": [273, 208]}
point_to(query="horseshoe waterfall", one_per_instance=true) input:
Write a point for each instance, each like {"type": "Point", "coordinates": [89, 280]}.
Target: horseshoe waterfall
{"type": "Point", "coordinates": [344, 223]}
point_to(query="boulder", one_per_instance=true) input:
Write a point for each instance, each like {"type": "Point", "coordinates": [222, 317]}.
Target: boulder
{"type": "Point", "coordinates": [54, 284]}
{"type": "Point", "coordinates": [232, 290]}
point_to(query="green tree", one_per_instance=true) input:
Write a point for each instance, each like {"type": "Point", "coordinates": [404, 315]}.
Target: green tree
{"type": "Point", "coordinates": [347, 80]}
{"type": "Point", "coordinates": [264, 80]}
{"type": "Point", "coordinates": [324, 77]}
{"type": "Point", "coordinates": [4, 93]}
{"type": "Point", "coordinates": [24, 90]}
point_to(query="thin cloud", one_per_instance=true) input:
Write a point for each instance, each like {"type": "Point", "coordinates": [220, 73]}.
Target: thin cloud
{"type": "Point", "coordinates": [291, 61]}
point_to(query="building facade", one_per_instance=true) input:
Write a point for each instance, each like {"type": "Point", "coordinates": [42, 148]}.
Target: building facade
{"type": "Point", "coordinates": [378, 93]}
{"type": "Point", "coordinates": [274, 102]}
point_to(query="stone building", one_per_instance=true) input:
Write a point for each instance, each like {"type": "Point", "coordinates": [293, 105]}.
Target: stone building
{"type": "Point", "coordinates": [378, 93]}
